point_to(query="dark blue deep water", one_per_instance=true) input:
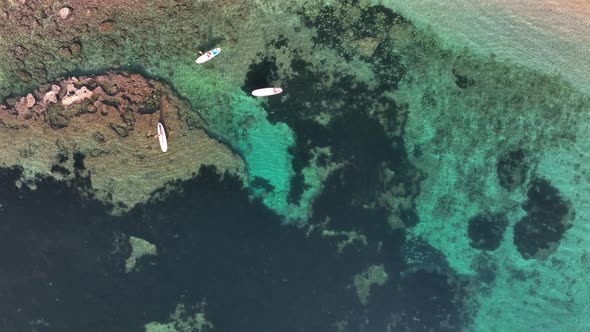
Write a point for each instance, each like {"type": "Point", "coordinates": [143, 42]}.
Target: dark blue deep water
{"type": "Point", "coordinates": [57, 264]}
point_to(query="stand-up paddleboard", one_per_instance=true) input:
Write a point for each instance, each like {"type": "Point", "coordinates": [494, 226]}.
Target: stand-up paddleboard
{"type": "Point", "coordinates": [208, 55]}
{"type": "Point", "coordinates": [162, 138]}
{"type": "Point", "coordinates": [266, 92]}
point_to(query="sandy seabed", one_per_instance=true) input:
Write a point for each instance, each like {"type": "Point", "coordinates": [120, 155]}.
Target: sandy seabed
{"type": "Point", "coordinates": [547, 35]}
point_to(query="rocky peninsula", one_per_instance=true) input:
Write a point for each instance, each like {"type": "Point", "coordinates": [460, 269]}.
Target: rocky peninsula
{"type": "Point", "coordinates": [103, 128]}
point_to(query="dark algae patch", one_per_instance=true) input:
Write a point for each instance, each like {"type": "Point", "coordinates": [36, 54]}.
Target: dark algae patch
{"type": "Point", "coordinates": [512, 169]}
{"type": "Point", "coordinates": [260, 74]}
{"type": "Point", "coordinates": [353, 30]}
{"type": "Point", "coordinates": [354, 136]}
{"type": "Point", "coordinates": [538, 233]}
{"type": "Point", "coordinates": [486, 230]}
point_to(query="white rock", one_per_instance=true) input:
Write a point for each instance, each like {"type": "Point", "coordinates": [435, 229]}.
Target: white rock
{"type": "Point", "coordinates": [65, 13]}
{"type": "Point", "coordinates": [30, 100]}
{"type": "Point", "coordinates": [74, 95]}
{"type": "Point", "coordinates": [51, 96]}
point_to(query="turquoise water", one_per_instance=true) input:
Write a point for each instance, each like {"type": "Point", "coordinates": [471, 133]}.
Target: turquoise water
{"type": "Point", "coordinates": [405, 179]}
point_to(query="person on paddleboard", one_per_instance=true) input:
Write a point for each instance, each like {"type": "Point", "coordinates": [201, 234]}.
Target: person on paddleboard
{"type": "Point", "coordinates": [204, 57]}
{"type": "Point", "coordinates": [161, 136]}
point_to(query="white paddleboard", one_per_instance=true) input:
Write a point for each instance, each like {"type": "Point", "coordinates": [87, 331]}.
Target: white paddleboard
{"type": "Point", "coordinates": [208, 55]}
{"type": "Point", "coordinates": [162, 138]}
{"type": "Point", "coordinates": [266, 92]}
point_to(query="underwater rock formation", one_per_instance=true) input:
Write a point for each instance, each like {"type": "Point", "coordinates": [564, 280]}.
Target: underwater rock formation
{"type": "Point", "coordinates": [352, 113]}
{"type": "Point", "coordinates": [538, 233]}
{"type": "Point", "coordinates": [486, 230]}
{"type": "Point", "coordinates": [103, 127]}
{"type": "Point", "coordinates": [512, 169]}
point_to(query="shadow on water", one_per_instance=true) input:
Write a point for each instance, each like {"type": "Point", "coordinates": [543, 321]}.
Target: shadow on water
{"type": "Point", "coordinates": [211, 41]}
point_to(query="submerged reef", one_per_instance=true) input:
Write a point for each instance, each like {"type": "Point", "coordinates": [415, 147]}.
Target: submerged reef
{"type": "Point", "coordinates": [512, 169]}
{"type": "Point", "coordinates": [364, 281]}
{"type": "Point", "coordinates": [340, 101]}
{"type": "Point", "coordinates": [486, 230]}
{"type": "Point", "coordinates": [548, 216]}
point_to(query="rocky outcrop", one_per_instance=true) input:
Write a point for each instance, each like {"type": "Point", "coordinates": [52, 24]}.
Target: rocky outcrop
{"type": "Point", "coordinates": [104, 128]}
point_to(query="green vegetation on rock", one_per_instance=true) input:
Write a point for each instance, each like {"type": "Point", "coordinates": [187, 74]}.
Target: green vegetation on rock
{"type": "Point", "coordinates": [183, 321]}
{"type": "Point", "coordinates": [364, 282]}
{"type": "Point", "coordinates": [139, 248]}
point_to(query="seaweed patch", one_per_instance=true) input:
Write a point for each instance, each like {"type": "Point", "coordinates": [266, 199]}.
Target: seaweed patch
{"type": "Point", "coordinates": [486, 230]}
{"type": "Point", "coordinates": [512, 169]}
{"type": "Point", "coordinates": [538, 233]}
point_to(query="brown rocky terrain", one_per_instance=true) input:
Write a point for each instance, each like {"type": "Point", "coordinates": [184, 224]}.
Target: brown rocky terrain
{"type": "Point", "coordinates": [104, 127]}
{"type": "Point", "coordinates": [40, 40]}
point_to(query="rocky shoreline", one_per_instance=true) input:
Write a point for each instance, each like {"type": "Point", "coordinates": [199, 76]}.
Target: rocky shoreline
{"type": "Point", "coordinates": [103, 127]}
